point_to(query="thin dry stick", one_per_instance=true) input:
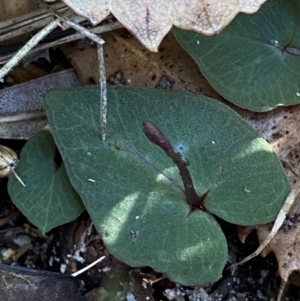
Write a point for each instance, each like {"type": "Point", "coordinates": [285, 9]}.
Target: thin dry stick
{"type": "Point", "coordinates": [102, 77]}
{"type": "Point", "coordinates": [151, 282]}
{"type": "Point", "coordinates": [27, 23]}
{"type": "Point", "coordinates": [277, 224]}
{"type": "Point", "coordinates": [103, 91]}
{"type": "Point", "coordinates": [27, 47]}
{"type": "Point", "coordinates": [18, 178]}
{"type": "Point", "coordinates": [87, 267]}
{"type": "Point", "coordinates": [281, 290]}
{"type": "Point", "coordinates": [73, 37]}
{"type": "Point", "coordinates": [76, 26]}
{"type": "Point", "coordinates": [30, 18]}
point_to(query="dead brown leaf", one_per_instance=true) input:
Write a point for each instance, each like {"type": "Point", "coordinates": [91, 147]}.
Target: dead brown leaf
{"type": "Point", "coordinates": [128, 62]}
{"type": "Point", "coordinates": [150, 20]}
{"type": "Point", "coordinates": [285, 246]}
{"type": "Point", "coordinates": [14, 8]}
{"type": "Point", "coordinates": [39, 285]}
{"type": "Point", "coordinates": [11, 9]}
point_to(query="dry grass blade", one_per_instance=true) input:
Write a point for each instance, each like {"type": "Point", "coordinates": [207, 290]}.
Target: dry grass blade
{"type": "Point", "coordinates": [277, 224]}
{"type": "Point", "coordinates": [27, 23]}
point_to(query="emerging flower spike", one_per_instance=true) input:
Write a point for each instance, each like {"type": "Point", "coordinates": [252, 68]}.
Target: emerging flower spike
{"type": "Point", "coordinates": [155, 135]}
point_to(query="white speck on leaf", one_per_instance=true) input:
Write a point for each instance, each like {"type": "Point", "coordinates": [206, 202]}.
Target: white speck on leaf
{"type": "Point", "coordinates": [246, 189]}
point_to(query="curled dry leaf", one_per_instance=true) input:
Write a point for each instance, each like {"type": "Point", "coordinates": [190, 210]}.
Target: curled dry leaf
{"type": "Point", "coordinates": [8, 161]}
{"type": "Point", "coordinates": [281, 129]}
{"type": "Point", "coordinates": [150, 21]}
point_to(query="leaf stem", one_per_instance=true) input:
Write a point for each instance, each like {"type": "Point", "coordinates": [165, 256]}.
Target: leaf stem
{"type": "Point", "coordinates": [155, 135]}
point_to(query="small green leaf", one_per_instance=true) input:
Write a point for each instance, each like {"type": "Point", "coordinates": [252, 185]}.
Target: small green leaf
{"type": "Point", "coordinates": [133, 190]}
{"type": "Point", "coordinates": [255, 61]}
{"type": "Point", "coordinates": [48, 200]}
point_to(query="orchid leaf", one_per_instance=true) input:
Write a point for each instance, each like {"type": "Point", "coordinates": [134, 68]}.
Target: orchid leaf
{"type": "Point", "coordinates": [134, 192]}
{"type": "Point", "coordinates": [48, 199]}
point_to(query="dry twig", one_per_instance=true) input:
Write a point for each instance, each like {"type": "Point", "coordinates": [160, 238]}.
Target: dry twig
{"type": "Point", "coordinates": [277, 224]}
{"type": "Point", "coordinates": [27, 47]}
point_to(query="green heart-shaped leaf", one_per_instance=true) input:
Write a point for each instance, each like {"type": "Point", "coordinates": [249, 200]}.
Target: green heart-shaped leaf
{"type": "Point", "coordinates": [48, 200]}
{"type": "Point", "coordinates": [133, 190]}
{"type": "Point", "coordinates": [255, 61]}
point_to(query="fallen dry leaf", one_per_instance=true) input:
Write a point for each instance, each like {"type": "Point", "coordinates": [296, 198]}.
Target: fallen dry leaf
{"type": "Point", "coordinates": [285, 246]}
{"type": "Point", "coordinates": [11, 9]}
{"type": "Point", "coordinates": [14, 8]}
{"type": "Point", "coordinates": [22, 108]}
{"type": "Point", "coordinates": [128, 62]}
{"type": "Point", "coordinates": [281, 129]}
{"type": "Point", "coordinates": [150, 20]}
{"type": "Point", "coordinates": [39, 285]}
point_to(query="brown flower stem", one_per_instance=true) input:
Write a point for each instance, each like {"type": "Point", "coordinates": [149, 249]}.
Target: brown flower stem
{"type": "Point", "coordinates": [154, 134]}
